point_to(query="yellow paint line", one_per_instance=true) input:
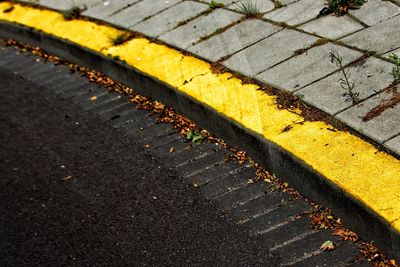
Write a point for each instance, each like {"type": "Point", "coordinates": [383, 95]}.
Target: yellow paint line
{"type": "Point", "coordinates": [351, 163]}
{"type": "Point", "coordinates": [86, 33]}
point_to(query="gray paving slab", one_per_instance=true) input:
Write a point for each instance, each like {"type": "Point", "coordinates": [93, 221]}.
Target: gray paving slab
{"type": "Point", "coordinates": [170, 18]}
{"type": "Point", "coordinates": [298, 12]}
{"type": "Point", "coordinates": [370, 77]}
{"type": "Point", "coordinates": [234, 39]}
{"type": "Point", "coordinates": [332, 27]}
{"type": "Point", "coordinates": [139, 11]}
{"type": "Point", "coordinates": [306, 68]}
{"type": "Point", "coordinates": [394, 144]}
{"type": "Point", "coordinates": [67, 4]}
{"type": "Point", "coordinates": [375, 11]}
{"type": "Point", "coordinates": [381, 37]}
{"type": "Point", "coordinates": [381, 128]}
{"type": "Point", "coordinates": [107, 8]}
{"type": "Point", "coordinates": [192, 32]}
{"type": "Point", "coordinates": [262, 5]}
{"type": "Point", "coordinates": [269, 52]}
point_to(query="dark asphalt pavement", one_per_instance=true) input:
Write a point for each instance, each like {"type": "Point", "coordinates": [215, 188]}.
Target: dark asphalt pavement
{"type": "Point", "coordinates": [76, 192]}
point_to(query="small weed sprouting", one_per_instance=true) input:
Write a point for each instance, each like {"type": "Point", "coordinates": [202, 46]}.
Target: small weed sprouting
{"type": "Point", "coordinates": [214, 4]}
{"type": "Point", "coordinates": [395, 59]}
{"type": "Point", "coordinates": [345, 82]}
{"type": "Point", "coordinates": [120, 38]}
{"type": "Point", "coordinates": [341, 7]}
{"type": "Point", "coordinates": [195, 137]}
{"type": "Point", "coordinates": [249, 8]}
{"type": "Point", "coordinates": [72, 13]}
{"type": "Point", "coordinates": [277, 4]}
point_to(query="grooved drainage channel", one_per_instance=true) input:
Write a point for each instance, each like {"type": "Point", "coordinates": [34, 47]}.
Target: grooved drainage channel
{"type": "Point", "coordinates": [277, 220]}
{"type": "Point", "coordinates": [333, 167]}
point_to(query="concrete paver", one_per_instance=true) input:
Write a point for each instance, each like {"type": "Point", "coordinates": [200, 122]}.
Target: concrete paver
{"type": "Point", "coordinates": [67, 4]}
{"type": "Point", "coordinates": [298, 12]}
{"type": "Point", "coordinates": [63, 5]}
{"type": "Point", "coordinates": [370, 77]}
{"type": "Point", "coordinates": [332, 27]}
{"type": "Point", "coordinates": [139, 11]}
{"type": "Point", "coordinates": [170, 18]}
{"type": "Point", "coordinates": [268, 52]}
{"type": "Point", "coordinates": [381, 37]}
{"type": "Point", "coordinates": [375, 11]}
{"type": "Point", "coordinates": [306, 68]}
{"type": "Point", "coordinates": [233, 39]}
{"type": "Point", "coordinates": [192, 32]}
{"type": "Point", "coordinates": [381, 128]}
{"type": "Point", "coordinates": [105, 9]}
{"type": "Point", "coordinates": [394, 144]}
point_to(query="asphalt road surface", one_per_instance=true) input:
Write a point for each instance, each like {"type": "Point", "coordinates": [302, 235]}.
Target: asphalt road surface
{"type": "Point", "coordinates": [76, 192]}
{"type": "Point", "coordinates": [87, 179]}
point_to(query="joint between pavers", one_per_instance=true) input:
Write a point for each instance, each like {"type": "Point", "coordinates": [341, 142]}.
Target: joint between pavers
{"type": "Point", "coordinates": [228, 56]}
{"type": "Point", "coordinates": [181, 23]}
{"type": "Point", "coordinates": [153, 15]}
{"type": "Point", "coordinates": [219, 31]}
{"type": "Point", "coordinates": [123, 8]}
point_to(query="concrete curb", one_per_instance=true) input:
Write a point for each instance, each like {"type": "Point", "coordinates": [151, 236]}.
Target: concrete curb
{"type": "Point", "coordinates": [354, 213]}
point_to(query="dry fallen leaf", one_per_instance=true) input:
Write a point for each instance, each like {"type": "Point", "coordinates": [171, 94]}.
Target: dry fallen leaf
{"type": "Point", "coordinates": [327, 246]}
{"type": "Point", "coordinates": [158, 105]}
{"type": "Point", "coordinates": [346, 234]}
{"type": "Point", "coordinates": [317, 218]}
{"type": "Point", "coordinates": [67, 178]}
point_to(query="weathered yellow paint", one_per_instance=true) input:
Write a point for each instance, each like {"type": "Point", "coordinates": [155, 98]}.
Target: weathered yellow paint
{"type": "Point", "coordinates": [354, 165]}
{"type": "Point", "coordinates": [170, 65]}
{"type": "Point", "coordinates": [86, 33]}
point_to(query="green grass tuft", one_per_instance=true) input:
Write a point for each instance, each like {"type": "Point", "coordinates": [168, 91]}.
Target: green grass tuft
{"type": "Point", "coordinates": [249, 8]}
{"type": "Point", "coordinates": [395, 59]}
{"type": "Point", "coordinates": [120, 38]}
{"type": "Point", "coordinates": [72, 13]}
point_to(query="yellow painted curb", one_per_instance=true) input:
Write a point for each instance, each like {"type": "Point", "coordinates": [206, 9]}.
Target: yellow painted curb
{"type": "Point", "coordinates": [351, 163]}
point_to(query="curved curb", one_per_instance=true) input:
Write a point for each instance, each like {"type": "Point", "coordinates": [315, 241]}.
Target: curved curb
{"type": "Point", "coordinates": [309, 182]}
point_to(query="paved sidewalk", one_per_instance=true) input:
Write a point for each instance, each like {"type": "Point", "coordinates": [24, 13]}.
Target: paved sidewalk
{"type": "Point", "coordinates": [286, 48]}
